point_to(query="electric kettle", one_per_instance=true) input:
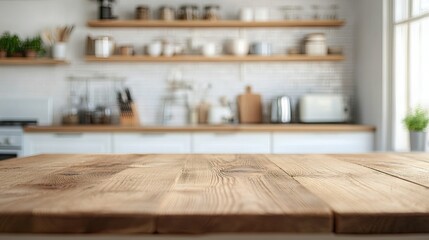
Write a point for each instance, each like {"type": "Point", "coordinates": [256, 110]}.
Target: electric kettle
{"type": "Point", "coordinates": [281, 110]}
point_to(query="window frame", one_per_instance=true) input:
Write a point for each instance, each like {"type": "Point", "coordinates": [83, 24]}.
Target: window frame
{"type": "Point", "coordinates": [393, 26]}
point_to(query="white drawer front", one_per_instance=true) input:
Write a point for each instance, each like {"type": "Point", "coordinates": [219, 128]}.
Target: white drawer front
{"type": "Point", "coordinates": [156, 143]}
{"type": "Point", "coordinates": [352, 142]}
{"type": "Point", "coordinates": [224, 143]}
{"type": "Point", "coordinates": [67, 143]}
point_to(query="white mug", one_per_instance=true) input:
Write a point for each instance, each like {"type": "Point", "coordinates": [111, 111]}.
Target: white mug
{"type": "Point", "coordinates": [168, 50]}
{"type": "Point", "coordinates": [238, 47]}
{"type": "Point", "coordinates": [154, 49]}
{"type": "Point", "coordinates": [210, 49]}
{"type": "Point", "coordinates": [194, 44]}
{"type": "Point", "coordinates": [59, 51]}
{"type": "Point", "coordinates": [246, 14]}
{"type": "Point", "coordinates": [261, 14]}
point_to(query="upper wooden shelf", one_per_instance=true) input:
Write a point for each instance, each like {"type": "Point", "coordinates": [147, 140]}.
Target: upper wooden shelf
{"type": "Point", "coordinates": [212, 24]}
{"type": "Point", "coordinates": [30, 61]}
{"type": "Point", "coordinates": [223, 58]}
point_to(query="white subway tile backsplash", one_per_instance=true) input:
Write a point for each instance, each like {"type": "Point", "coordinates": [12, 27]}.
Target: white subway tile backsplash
{"type": "Point", "coordinates": [149, 80]}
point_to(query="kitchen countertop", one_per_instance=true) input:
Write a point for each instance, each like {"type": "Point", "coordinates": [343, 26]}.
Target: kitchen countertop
{"type": "Point", "coordinates": [168, 194]}
{"type": "Point", "coordinates": [207, 128]}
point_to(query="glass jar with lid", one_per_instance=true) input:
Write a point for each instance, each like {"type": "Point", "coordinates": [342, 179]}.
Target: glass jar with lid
{"type": "Point", "coordinates": [211, 12]}
{"type": "Point", "coordinates": [143, 12]}
{"type": "Point", "coordinates": [167, 13]}
{"type": "Point", "coordinates": [188, 12]}
{"type": "Point", "coordinates": [70, 115]}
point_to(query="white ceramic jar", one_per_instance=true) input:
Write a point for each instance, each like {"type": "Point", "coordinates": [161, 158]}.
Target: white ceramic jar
{"type": "Point", "coordinates": [315, 45]}
{"type": "Point", "coordinates": [155, 48]}
{"type": "Point", "coordinates": [59, 50]}
{"type": "Point", "coordinates": [104, 47]}
{"type": "Point", "coordinates": [261, 14]}
{"type": "Point", "coordinates": [246, 14]}
{"type": "Point", "coordinates": [210, 49]}
{"type": "Point", "coordinates": [238, 46]}
{"type": "Point", "coordinates": [316, 48]}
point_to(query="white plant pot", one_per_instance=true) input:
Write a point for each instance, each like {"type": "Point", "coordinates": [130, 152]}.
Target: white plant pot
{"type": "Point", "coordinates": [418, 141]}
{"type": "Point", "coordinates": [59, 51]}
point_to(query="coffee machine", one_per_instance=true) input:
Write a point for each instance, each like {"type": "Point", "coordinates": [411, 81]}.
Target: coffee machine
{"type": "Point", "coordinates": [105, 9]}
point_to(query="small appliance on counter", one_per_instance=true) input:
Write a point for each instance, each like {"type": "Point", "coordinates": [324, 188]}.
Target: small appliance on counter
{"type": "Point", "coordinates": [281, 110]}
{"type": "Point", "coordinates": [324, 108]}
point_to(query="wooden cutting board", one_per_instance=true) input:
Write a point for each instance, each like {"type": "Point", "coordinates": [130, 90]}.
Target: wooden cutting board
{"type": "Point", "coordinates": [249, 107]}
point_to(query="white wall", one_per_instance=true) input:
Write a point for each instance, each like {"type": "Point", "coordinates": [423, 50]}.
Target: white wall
{"type": "Point", "coordinates": [370, 77]}
{"type": "Point", "coordinates": [148, 81]}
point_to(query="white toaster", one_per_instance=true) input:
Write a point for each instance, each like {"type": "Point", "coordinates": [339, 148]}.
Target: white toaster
{"type": "Point", "coordinates": [324, 108]}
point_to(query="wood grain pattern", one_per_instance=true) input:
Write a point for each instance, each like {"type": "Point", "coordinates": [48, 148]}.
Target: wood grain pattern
{"type": "Point", "coordinates": [403, 167]}
{"type": "Point", "coordinates": [123, 194]}
{"type": "Point", "coordinates": [206, 128]}
{"type": "Point", "coordinates": [416, 156]}
{"type": "Point", "coordinates": [240, 193]}
{"type": "Point", "coordinates": [363, 200]}
{"type": "Point", "coordinates": [223, 58]}
{"type": "Point", "coordinates": [30, 61]}
{"type": "Point", "coordinates": [102, 194]}
{"type": "Point", "coordinates": [214, 24]}
{"type": "Point", "coordinates": [155, 193]}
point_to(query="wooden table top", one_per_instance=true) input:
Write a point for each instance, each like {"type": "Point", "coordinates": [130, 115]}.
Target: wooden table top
{"type": "Point", "coordinates": [168, 194]}
{"type": "Point", "coordinates": [206, 128]}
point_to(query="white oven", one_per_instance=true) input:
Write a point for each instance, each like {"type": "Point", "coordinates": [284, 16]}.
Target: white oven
{"type": "Point", "coordinates": [16, 113]}
{"type": "Point", "coordinates": [10, 142]}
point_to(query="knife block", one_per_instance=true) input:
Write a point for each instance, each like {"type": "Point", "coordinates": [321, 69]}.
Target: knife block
{"type": "Point", "coordinates": [130, 116]}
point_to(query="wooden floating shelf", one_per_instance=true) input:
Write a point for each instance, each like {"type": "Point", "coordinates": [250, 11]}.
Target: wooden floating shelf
{"type": "Point", "coordinates": [212, 24]}
{"type": "Point", "coordinates": [30, 61]}
{"type": "Point", "coordinates": [227, 58]}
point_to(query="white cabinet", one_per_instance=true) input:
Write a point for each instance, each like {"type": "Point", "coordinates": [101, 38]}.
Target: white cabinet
{"type": "Point", "coordinates": [152, 143]}
{"type": "Point", "coordinates": [224, 143]}
{"type": "Point", "coordinates": [346, 142]}
{"type": "Point", "coordinates": [79, 143]}
{"type": "Point", "coordinates": [199, 143]}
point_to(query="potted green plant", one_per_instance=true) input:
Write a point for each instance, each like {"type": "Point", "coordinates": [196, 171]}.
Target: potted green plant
{"type": "Point", "coordinates": [33, 47]}
{"type": "Point", "coordinates": [4, 43]}
{"type": "Point", "coordinates": [416, 122]}
{"type": "Point", "coordinates": [15, 47]}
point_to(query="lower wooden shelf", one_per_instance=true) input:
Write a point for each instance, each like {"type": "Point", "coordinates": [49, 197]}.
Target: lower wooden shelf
{"type": "Point", "coordinates": [31, 61]}
{"type": "Point", "coordinates": [223, 58]}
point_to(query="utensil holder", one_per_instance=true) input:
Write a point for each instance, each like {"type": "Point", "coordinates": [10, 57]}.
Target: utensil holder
{"type": "Point", "coordinates": [59, 51]}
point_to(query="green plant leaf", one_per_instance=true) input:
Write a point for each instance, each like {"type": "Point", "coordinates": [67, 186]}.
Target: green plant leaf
{"type": "Point", "coordinates": [417, 120]}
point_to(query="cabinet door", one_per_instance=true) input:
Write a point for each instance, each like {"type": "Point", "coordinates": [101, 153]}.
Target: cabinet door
{"type": "Point", "coordinates": [353, 142]}
{"type": "Point", "coordinates": [157, 143]}
{"type": "Point", "coordinates": [67, 143]}
{"type": "Point", "coordinates": [224, 143]}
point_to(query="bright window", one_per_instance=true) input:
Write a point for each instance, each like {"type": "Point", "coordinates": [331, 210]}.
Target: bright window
{"type": "Point", "coordinates": [411, 63]}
